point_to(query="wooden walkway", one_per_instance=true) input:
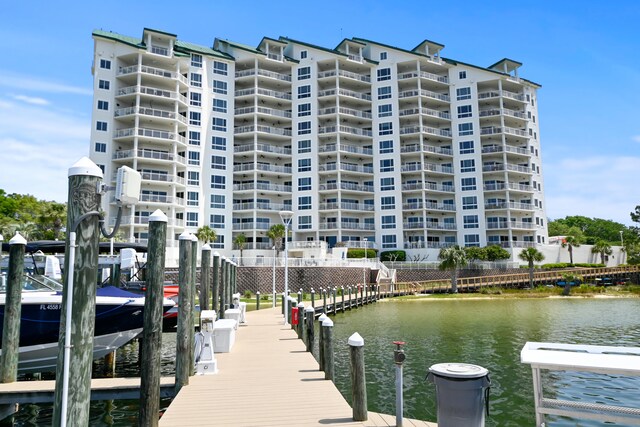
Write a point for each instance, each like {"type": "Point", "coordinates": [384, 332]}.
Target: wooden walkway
{"type": "Point", "coordinates": [268, 379]}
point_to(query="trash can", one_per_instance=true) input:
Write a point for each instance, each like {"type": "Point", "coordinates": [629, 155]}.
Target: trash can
{"type": "Point", "coordinates": [462, 394]}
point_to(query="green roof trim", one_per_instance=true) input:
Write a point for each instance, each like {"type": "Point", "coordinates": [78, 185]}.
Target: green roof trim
{"type": "Point", "coordinates": [194, 48]}
{"type": "Point", "coordinates": [313, 46]}
{"type": "Point", "coordinates": [519, 64]}
{"type": "Point", "coordinates": [242, 46]}
{"type": "Point", "coordinates": [428, 41]}
{"type": "Point", "coordinates": [456, 62]}
{"type": "Point", "coordinates": [159, 32]}
{"type": "Point", "coordinates": [131, 41]}
{"type": "Point", "coordinates": [392, 47]}
{"type": "Point", "coordinates": [271, 40]}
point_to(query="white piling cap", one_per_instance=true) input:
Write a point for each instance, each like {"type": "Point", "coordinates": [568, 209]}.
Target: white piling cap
{"type": "Point", "coordinates": [356, 340]}
{"type": "Point", "coordinates": [309, 309]}
{"type": "Point", "coordinates": [158, 216]}
{"type": "Point", "coordinates": [327, 322]}
{"type": "Point", "coordinates": [206, 247]}
{"type": "Point", "coordinates": [322, 317]}
{"type": "Point", "coordinates": [18, 239]}
{"type": "Point", "coordinates": [184, 236]}
{"type": "Point", "coordinates": [193, 237]}
{"type": "Point", "coordinates": [300, 305]}
{"type": "Point", "coordinates": [86, 167]}
{"type": "Point", "coordinates": [216, 253]}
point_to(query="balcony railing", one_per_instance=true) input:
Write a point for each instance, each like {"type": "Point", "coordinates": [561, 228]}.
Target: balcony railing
{"type": "Point", "coordinates": [252, 226]}
{"type": "Point", "coordinates": [263, 110]}
{"type": "Point", "coordinates": [345, 92]}
{"type": "Point", "coordinates": [347, 167]}
{"type": "Point", "coordinates": [346, 186]}
{"type": "Point", "coordinates": [343, 73]}
{"type": "Point", "coordinates": [146, 90]}
{"type": "Point", "coordinates": [510, 186]}
{"type": "Point", "coordinates": [266, 92]}
{"type": "Point", "coordinates": [151, 112]}
{"type": "Point", "coordinates": [331, 148]}
{"type": "Point", "coordinates": [159, 50]}
{"type": "Point", "coordinates": [504, 111]}
{"type": "Point", "coordinates": [426, 93]}
{"type": "Point", "coordinates": [260, 206]}
{"type": "Point", "coordinates": [504, 93]}
{"type": "Point", "coordinates": [262, 186]}
{"type": "Point", "coordinates": [344, 129]}
{"type": "Point", "coordinates": [426, 112]}
{"type": "Point", "coordinates": [424, 75]}
{"type": "Point", "coordinates": [508, 205]}
{"type": "Point", "coordinates": [503, 225]}
{"type": "Point", "coordinates": [259, 128]}
{"type": "Point", "coordinates": [161, 177]}
{"type": "Point", "coordinates": [261, 167]}
{"type": "Point", "coordinates": [433, 225]}
{"type": "Point", "coordinates": [264, 148]}
{"type": "Point", "coordinates": [156, 198]}
{"type": "Point", "coordinates": [346, 206]}
{"type": "Point", "coordinates": [137, 68]}
{"type": "Point", "coordinates": [413, 148]}
{"type": "Point", "coordinates": [149, 154]}
{"type": "Point", "coordinates": [347, 111]}
{"type": "Point", "coordinates": [497, 130]}
{"type": "Point", "coordinates": [507, 148]}
{"type": "Point", "coordinates": [265, 73]}
{"type": "Point", "coordinates": [149, 133]}
{"type": "Point", "coordinates": [425, 129]}
{"type": "Point", "coordinates": [501, 167]}
{"type": "Point", "coordinates": [346, 226]}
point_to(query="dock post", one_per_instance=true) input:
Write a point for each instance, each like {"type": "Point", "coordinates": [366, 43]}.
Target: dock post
{"type": "Point", "coordinates": [152, 332]}
{"type": "Point", "coordinates": [321, 319]}
{"type": "Point", "coordinates": [229, 286]}
{"type": "Point", "coordinates": [310, 313]}
{"type": "Point", "coordinates": [185, 313]}
{"type": "Point", "coordinates": [300, 295]}
{"type": "Point", "coordinates": [284, 299]}
{"type": "Point", "coordinates": [205, 276]}
{"type": "Point", "coordinates": [358, 382]}
{"type": "Point", "coordinates": [300, 325]}
{"type": "Point", "coordinates": [223, 286]}
{"type": "Point", "coordinates": [313, 298]}
{"type": "Point", "coordinates": [327, 333]}
{"type": "Point", "coordinates": [335, 300]}
{"type": "Point", "coordinates": [215, 303]}
{"type": "Point", "coordinates": [257, 300]}
{"type": "Point", "coordinates": [12, 310]}
{"type": "Point", "coordinates": [362, 295]}
{"type": "Point", "coordinates": [194, 292]}
{"type": "Point", "coordinates": [324, 301]}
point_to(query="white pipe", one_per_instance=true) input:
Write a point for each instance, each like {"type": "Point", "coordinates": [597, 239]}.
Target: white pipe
{"type": "Point", "coordinates": [67, 329]}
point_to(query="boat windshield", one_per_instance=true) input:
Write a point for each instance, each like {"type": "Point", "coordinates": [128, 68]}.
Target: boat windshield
{"type": "Point", "coordinates": [33, 283]}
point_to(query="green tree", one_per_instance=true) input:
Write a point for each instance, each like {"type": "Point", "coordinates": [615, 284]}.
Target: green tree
{"type": "Point", "coordinates": [206, 234]}
{"type": "Point", "coordinates": [474, 253]}
{"type": "Point", "coordinates": [573, 239]}
{"type": "Point", "coordinates": [276, 233]}
{"type": "Point", "coordinates": [603, 248]}
{"type": "Point", "coordinates": [496, 253]}
{"type": "Point", "coordinates": [240, 241]}
{"type": "Point", "coordinates": [531, 255]}
{"type": "Point", "coordinates": [453, 258]}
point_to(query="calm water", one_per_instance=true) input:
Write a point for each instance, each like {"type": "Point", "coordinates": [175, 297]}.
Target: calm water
{"type": "Point", "coordinates": [489, 333]}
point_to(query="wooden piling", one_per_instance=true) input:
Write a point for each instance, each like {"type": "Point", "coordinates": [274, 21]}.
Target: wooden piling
{"type": "Point", "coordinates": [358, 381]}
{"type": "Point", "coordinates": [327, 334]}
{"type": "Point", "coordinates": [152, 333]}
{"type": "Point", "coordinates": [205, 276]}
{"type": "Point", "coordinates": [300, 325]}
{"type": "Point", "coordinates": [215, 303]}
{"type": "Point", "coordinates": [300, 295]}
{"type": "Point", "coordinates": [185, 312]}
{"type": "Point", "coordinates": [12, 311]}
{"type": "Point", "coordinates": [313, 298]}
{"type": "Point", "coordinates": [321, 319]}
{"type": "Point", "coordinates": [324, 301]}
{"type": "Point", "coordinates": [223, 287]}
{"type": "Point", "coordinates": [310, 313]}
{"type": "Point", "coordinates": [335, 300]}
{"type": "Point", "coordinates": [342, 295]}
{"type": "Point", "coordinates": [257, 300]}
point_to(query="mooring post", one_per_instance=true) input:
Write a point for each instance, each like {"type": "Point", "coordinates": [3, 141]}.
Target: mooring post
{"type": "Point", "coordinates": [310, 314]}
{"type": "Point", "coordinates": [73, 385]}
{"type": "Point", "coordinates": [313, 298]}
{"type": "Point", "coordinates": [362, 295]}
{"type": "Point", "coordinates": [321, 319]}
{"type": "Point", "coordinates": [12, 310]}
{"type": "Point", "coordinates": [349, 293]}
{"type": "Point", "coordinates": [284, 298]}
{"type": "Point", "coordinates": [223, 286]}
{"type": "Point", "coordinates": [152, 332]}
{"type": "Point", "coordinates": [257, 300]}
{"type": "Point", "coordinates": [335, 300]}
{"type": "Point", "coordinates": [327, 334]}
{"type": "Point", "coordinates": [358, 381]}
{"type": "Point", "coordinates": [194, 316]}
{"type": "Point", "coordinates": [324, 301]}
{"type": "Point", "coordinates": [399, 357]}
{"type": "Point", "coordinates": [229, 286]}
{"type": "Point", "coordinates": [216, 284]}
{"type": "Point", "coordinates": [205, 276]}
{"type": "Point", "coordinates": [300, 325]}
{"type": "Point", "coordinates": [300, 295]}
{"type": "Point", "coordinates": [185, 313]}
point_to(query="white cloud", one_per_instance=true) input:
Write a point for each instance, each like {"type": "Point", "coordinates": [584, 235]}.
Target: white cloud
{"type": "Point", "coordinates": [35, 84]}
{"type": "Point", "coordinates": [30, 99]}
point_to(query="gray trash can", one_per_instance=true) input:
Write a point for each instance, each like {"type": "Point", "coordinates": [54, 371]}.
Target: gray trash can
{"type": "Point", "coordinates": [462, 393]}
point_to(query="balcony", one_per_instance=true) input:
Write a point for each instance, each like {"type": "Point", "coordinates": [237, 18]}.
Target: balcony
{"type": "Point", "coordinates": [504, 225]}
{"type": "Point", "coordinates": [426, 93]}
{"type": "Point", "coordinates": [152, 71]}
{"type": "Point", "coordinates": [146, 90]}
{"type": "Point", "coordinates": [161, 177]}
{"type": "Point", "coordinates": [347, 111]}
{"type": "Point", "coordinates": [413, 225]}
{"type": "Point", "coordinates": [149, 154]}
{"type": "Point", "coordinates": [148, 133]}
{"type": "Point", "coordinates": [432, 167]}
{"type": "Point", "coordinates": [509, 167]}
{"type": "Point", "coordinates": [260, 206]}
{"type": "Point", "coordinates": [508, 205]}
{"type": "Point", "coordinates": [265, 92]}
{"type": "Point", "coordinates": [264, 129]}
{"type": "Point", "coordinates": [508, 186]}
{"type": "Point", "coordinates": [261, 167]}
{"type": "Point", "coordinates": [346, 167]}
{"type": "Point", "coordinates": [252, 226]}
{"type": "Point", "coordinates": [264, 73]}
{"type": "Point", "coordinates": [504, 93]}
{"type": "Point", "coordinates": [344, 129]}
{"type": "Point", "coordinates": [150, 112]}
{"type": "Point", "coordinates": [345, 92]}
{"type": "Point", "coordinates": [262, 110]}
{"type": "Point", "coordinates": [494, 130]}
{"type": "Point", "coordinates": [155, 198]}
{"type": "Point", "coordinates": [437, 225]}
{"type": "Point", "coordinates": [491, 112]}
{"type": "Point", "coordinates": [346, 186]}
{"type": "Point", "coordinates": [425, 129]}
{"type": "Point", "coordinates": [449, 207]}
{"type": "Point", "coordinates": [262, 148]}
{"type": "Point", "coordinates": [426, 112]}
{"type": "Point", "coordinates": [507, 148]}
{"type": "Point", "coordinates": [332, 148]}
{"type": "Point", "coordinates": [423, 75]}
{"type": "Point", "coordinates": [362, 207]}
{"type": "Point", "coordinates": [343, 73]}
{"type": "Point", "coordinates": [344, 225]}
{"type": "Point", "coordinates": [413, 148]}
{"type": "Point", "coordinates": [262, 187]}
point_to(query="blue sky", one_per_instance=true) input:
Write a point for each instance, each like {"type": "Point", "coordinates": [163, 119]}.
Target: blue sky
{"type": "Point", "coordinates": [584, 54]}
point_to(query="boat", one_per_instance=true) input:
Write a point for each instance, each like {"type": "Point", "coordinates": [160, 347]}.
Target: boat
{"type": "Point", "coordinates": [119, 319]}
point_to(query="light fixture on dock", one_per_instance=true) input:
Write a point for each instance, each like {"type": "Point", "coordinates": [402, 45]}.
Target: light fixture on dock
{"type": "Point", "coordinates": [287, 217]}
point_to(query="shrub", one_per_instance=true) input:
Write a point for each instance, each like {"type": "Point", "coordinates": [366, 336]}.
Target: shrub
{"type": "Point", "coordinates": [399, 256]}
{"type": "Point", "coordinates": [359, 253]}
{"type": "Point", "coordinates": [247, 294]}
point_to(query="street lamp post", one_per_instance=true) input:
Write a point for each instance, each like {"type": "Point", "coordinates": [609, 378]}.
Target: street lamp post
{"type": "Point", "coordinates": [364, 270]}
{"type": "Point", "coordinates": [273, 293]}
{"type": "Point", "coordinates": [286, 217]}
{"type": "Point", "coordinates": [621, 248]}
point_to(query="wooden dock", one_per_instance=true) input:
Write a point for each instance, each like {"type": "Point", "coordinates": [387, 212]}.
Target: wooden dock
{"type": "Point", "coordinates": [268, 379]}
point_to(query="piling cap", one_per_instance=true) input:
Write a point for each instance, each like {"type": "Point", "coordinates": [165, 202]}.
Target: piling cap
{"type": "Point", "coordinates": [309, 309]}
{"type": "Point", "coordinates": [193, 237]}
{"type": "Point", "coordinates": [322, 317]}
{"type": "Point", "coordinates": [458, 370]}
{"type": "Point", "coordinates": [300, 305]}
{"type": "Point", "coordinates": [86, 167]}
{"type": "Point", "coordinates": [18, 240]}
{"type": "Point", "coordinates": [185, 236]}
{"type": "Point", "coordinates": [216, 254]}
{"type": "Point", "coordinates": [206, 247]}
{"type": "Point", "coordinates": [158, 216]}
{"type": "Point", "coordinates": [356, 340]}
{"type": "Point", "coordinates": [327, 322]}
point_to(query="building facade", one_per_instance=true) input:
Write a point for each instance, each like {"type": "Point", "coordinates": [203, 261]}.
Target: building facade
{"type": "Point", "coordinates": [365, 143]}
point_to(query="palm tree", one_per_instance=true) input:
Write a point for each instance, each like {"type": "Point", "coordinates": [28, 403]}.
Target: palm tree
{"type": "Point", "coordinates": [452, 258]}
{"type": "Point", "coordinates": [531, 255]}
{"type": "Point", "coordinates": [572, 240]}
{"type": "Point", "coordinates": [276, 233]}
{"type": "Point", "coordinates": [206, 234]}
{"type": "Point", "coordinates": [240, 241]}
{"type": "Point", "coordinates": [603, 248]}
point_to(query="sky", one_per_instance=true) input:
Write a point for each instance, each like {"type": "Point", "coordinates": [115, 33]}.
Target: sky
{"type": "Point", "coordinates": [584, 54]}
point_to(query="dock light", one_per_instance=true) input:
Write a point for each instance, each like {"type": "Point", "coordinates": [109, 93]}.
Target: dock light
{"type": "Point", "coordinates": [287, 217]}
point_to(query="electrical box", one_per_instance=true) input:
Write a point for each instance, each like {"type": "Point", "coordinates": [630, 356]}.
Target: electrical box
{"type": "Point", "coordinates": [128, 184]}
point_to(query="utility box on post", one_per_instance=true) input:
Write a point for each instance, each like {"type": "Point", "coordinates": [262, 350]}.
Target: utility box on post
{"type": "Point", "coordinates": [205, 358]}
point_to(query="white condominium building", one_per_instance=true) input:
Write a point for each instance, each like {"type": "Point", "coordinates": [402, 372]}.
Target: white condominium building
{"type": "Point", "coordinates": [401, 148]}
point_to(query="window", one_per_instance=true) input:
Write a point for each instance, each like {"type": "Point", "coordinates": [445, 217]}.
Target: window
{"type": "Point", "coordinates": [468, 184]}
{"type": "Point", "coordinates": [383, 56]}
{"type": "Point", "coordinates": [304, 165]}
{"type": "Point", "coordinates": [192, 219]}
{"type": "Point", "coordinates": [304, 222]}
{"type": "Point", "coordinates": [219, 242]}
{"type": "Point", "coordinates": [384, 74]}
{"type": "Point", "coordinates": [386, 147]}
{"type": "Point", "coordinates": [193, 178]}
{"type": "Point", "coordinates": [389, 241]}
{"type": "Point", "coordinates": [463, 93]}
{"type": "Point", "coordinates": [304, 184]}
{"type": "Point", "coordinates": [385, 110]}
{"type": "Point", "coordinates": [218, 123]}
{"type": "Point", "coordinates": [218, 143]}
{"type": "Point", "coordinates": [385, 128]}
{"type": "Point", "coordinates": [303, 54]}
{"type": "Point", "coordinates": [101, 126]}
{"type": "Point", "coordinates": [217, 221]}
{"type": "Point", "coordinates": [192, 198]}
{"type": "Point", "coordinates": [304, 110]}
{"type": "Point", "coordinates": [218, 162]}
{"type": "Point", "coordinates": [304, 73]}
{"type": "Point", "coordinates": [464, 111]}
{"type": "Point", "coordinates": [220, 105]}
{"type": "Point", "coordinates": [384, 92]}
{"type": "Point", "coordinates": [387, 184]}
{"type": "Point", "coordinates": [194, 158]}
{"type": "Point", "coordinates": [103, 105]}
{"type": "Point", "coordinates": [220, 87]}
{"type": "Point", "coordinates": [220, 68]}
{"type": "Point", "coordinates": [471, 240]}
{"type": "Point", "coordinates": [388, 221]}
{"type": "Point", "coordinates": [304, 128]}
{"type": "Point", "coordinates": [101, 147]}
{"type": "Point", "coordinates": [386, 165]}
{"type": "Point", "coordinates": [304, 91]}
{"type": "Point", "coordinates": [105, 63]}
{"type": "Point", "coordinates": [217, 201]}
{"type": "Point", "coordinates": [388, 202]}
{"type": "Point", "coordinates": [462, 75]}
{"type": "Point", "coordinates": [469, 202]}
{"type": "Point", "coordinates": [470, 221]}
{"type": "Point", "coordinates": [468, 165]}
{"type": "Point", "coordinates": [196, 60]}
{"type": "Point", "coordinates": [304, 146]}
{"type": "Point", "coordinates": [194, 118]}
{"type": "Point", "coordinates": [218, 181]}
{"type": "Point", "coordinates": [465, 129]}
{"type": "Point", "coordinates": [194, 137]}
{"type": "Point", "coordinates": [196, 80]}
{"type": "Point", "coordinates": [195, 99]}
{"type": "Point", "coordinates": [466, 147]}
{"type": "Point", "coordinates": [304, 202]}
{"type": "Point", "coordinates": [104, 84]}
